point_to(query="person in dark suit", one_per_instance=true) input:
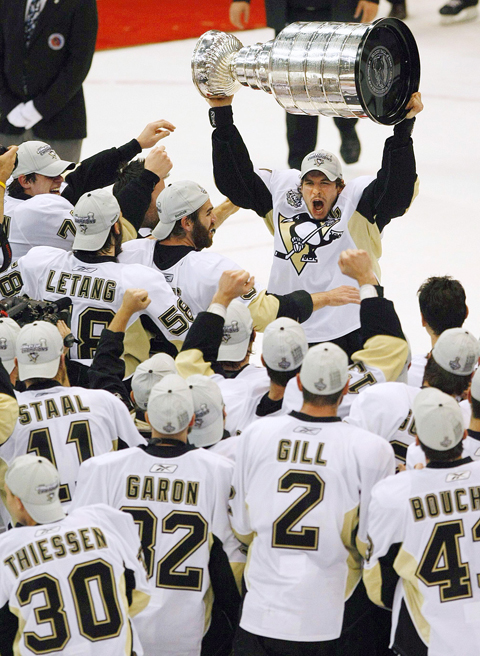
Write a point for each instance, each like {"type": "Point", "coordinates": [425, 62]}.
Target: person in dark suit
{"type": "Point", "coordinates": [46, 50]}
{"type": "Point", "coordinates": [302, 129]}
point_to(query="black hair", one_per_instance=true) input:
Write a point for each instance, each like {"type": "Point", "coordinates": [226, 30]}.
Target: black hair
{"type": "Point", "coordinates": [126, 174]}
{"type": "Point", "coordinates": [281, 377]}
{"type": "Point", "coordinates": [475, 408]}
{"type": "Point", "coordinates": [442, 303]}
{"type": "Point", "coordinates": [321, 400]}
{"type": "Point", "coordinates": [15, 189]}
{"type": "Point", "coordinates": [445, 381]}
{"type": "Point", "coordinates": [442, 456]}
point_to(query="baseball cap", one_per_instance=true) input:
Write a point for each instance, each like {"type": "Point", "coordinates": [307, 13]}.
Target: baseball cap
{"type": "Point", "coordinates": [39, 347]}
{"type": "Point", "coordinates": [148, 373]}
{"type": "Point", "coordinates": [39, 157]}
{"type": "Point", "coordinates": [438, 419]}
{"type": "Point", "coordinates": [36, 482]}
{"type": "Point", "coordinates": [456, 351]}
{"type": "Point", "coordinates": [208, 404]}
{"type": "Point", "coordinates": [284, 345]}
{"type": "Point", "coordinates": [176, 201]}
{"type": "Point", "coordinates": [9, 330]}
{"type": "Point", "coordinates": [323, 161]}
{"type": "Point", "coordinates": [324, 369]}
{"type": "Point", "coordinates": [94, 214]}
{"type": "Point", "coordinates": [237, 331]}
{"type": "Point", "coordinates": [170, 405]}
{"type": "Point", "coordinates": [475, 387]}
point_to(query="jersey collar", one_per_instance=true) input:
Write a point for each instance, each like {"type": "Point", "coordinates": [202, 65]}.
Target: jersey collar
{"type": "Point", "coordinates": [168, 448]}
{"type": "Point", "coordinates": [304, 417]}
{"type": "Point", "coordinates": [87, 256]}
{"type": "Point", "coordinates": [449, 465]}
{"type": "Point", "coordinates": [165, 257]}
{"type": "Point", "coordinates": [474, 434]}
{"type": "Point", "coordinates": [44, 384]}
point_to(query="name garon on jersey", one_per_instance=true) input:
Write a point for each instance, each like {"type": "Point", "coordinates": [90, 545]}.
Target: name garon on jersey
{"type": "Point", "coordinates": [81, 286]}
{"type": "Point", "coordinates": [163, 490]}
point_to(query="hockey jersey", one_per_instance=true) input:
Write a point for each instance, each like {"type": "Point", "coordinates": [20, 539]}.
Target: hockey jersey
{"type": "Point", "coordinates": [416, 370]}
{"type": "Point", "coordinates": [424, 558]}
{"type": "Point", "coordinates": [178, 497]}
{"type": "Point", "coordinates": [72, 587]}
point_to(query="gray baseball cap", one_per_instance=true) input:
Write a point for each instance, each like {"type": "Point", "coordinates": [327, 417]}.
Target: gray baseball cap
{"type": "Point", "coordinates": [94, 214]}
{"type": "Point", "coordinates": [456, 351]}
{"type": "Point", "coordinates": [176, 201]}
{"type": "Point", "coordinates": [323, 161]}
{"type": "Point", "coordinates": [39, 157]}
{"type": "Point", "coordinates": [438, 419]}
{"type": "Point", "coordinates": [325, 369]}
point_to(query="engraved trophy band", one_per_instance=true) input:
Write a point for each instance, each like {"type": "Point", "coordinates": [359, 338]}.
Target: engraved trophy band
{"type": "Point", "coordinates": [352, 70]}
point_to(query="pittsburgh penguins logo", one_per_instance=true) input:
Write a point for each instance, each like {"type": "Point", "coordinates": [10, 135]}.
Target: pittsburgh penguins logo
{"type": "Point", "coordinates": [301, 236]}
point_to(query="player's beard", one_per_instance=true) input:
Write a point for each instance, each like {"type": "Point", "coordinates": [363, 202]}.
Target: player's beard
{"type": "Point", "coordinates": [202, 238]}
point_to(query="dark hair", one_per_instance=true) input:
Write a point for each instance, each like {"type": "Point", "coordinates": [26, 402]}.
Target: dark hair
{"type": "Point", "coordinates": [178, 230]}
{"type": "Point", "coordinates": [15, 189]}
{"type": "Point", "coordinates": [321, 400]}
{"type": "Point", "coordinates": [443, 380]}
{"type": "Point", "coordinates": [442, 303]}
{"type": "Point", "coordinates": [442, 456]}
{"type": "Point", "coordinates": [126, 174]}
{"type": "Point", "coordinates": [281, 377]}
{"type": "Point", "coordinates": [475, 408]}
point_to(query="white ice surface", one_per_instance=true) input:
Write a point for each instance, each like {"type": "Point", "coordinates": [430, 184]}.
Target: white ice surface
{"type": "Point", "coordinates": [440, 235]}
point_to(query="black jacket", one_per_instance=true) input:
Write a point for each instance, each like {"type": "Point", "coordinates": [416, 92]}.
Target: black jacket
{"type": "Point", "coordinates": [52, 70]}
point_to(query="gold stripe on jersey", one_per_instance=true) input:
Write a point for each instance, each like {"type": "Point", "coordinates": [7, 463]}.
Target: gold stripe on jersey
{"type": "Point", "coordinates": [384, 352]}
{"type": "Point", "coordinates": [264, 310]}
{"type": "Point", "coordinates": [238, 570]}
{"type": "Point", "coordinates": [208, 599]}
{"type": "Point", "coordinates": [124, 604]}
{"type": "Point", "coordinates": [354, 560]}
{"type": "Point", "coordinates": [366, 236]}
{"type": "Point", "coordinates": [252, 537]}
{"type": "Point", "coordinates": [406, 567]}
{"type": "Point", "coordinates": [136, 346]}
{"type": "Point", "coordinates": [372, 579]}
{"type": "Point", "coordinates": [128, 231]}
{"type": "Point", "coordinates": [191, 362]}
{"type": "Point", "coordinates": [9, 415]}
{"type": "Point", "coordinates": [3, 471]}
{"type": "Point", "coordinates": [20, 630]}
{"type": "Point", "coordinates": [268, 220]}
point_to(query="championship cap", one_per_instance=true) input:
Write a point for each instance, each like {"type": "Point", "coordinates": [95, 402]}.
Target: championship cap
{"type": "Point", "coordinates": [475, 387]}
{"type": "Point", "coordinates": [9, 330]}
{"type": "Point", "coordinates": [148, 373]}
{"type": "Point", "coordinates": [176, 201]}
{"type": "Point", "coordinates": [35, 481]}
{"type": "Point", "coordinates": [39, 347]}
{"type": "Point", "coordinates": [438, 419]}
{"type": "Point", "coordinates": [324, 369]}
{"type": "Point", "coordinates": [208, 403]}
{"type": "Point", "coordinates": [323, 161]}
{"type": "Point", "coordinates": [94, 214]}
{"type": "Point", "coordinates": [237, 331]}
{"type": "Point", "coordinates": [39, 157]}
{"type": "Point", "coordinates": [170, 405]}
{"type": "Point", "coordinates": [456, 351]}
{"type": "Point", "coordinates": [284, 345]}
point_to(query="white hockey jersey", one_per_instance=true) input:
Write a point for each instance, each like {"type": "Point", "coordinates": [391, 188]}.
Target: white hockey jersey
{"type": "Point", "coordinates": [68, 425]}
{"type": "Point", "coordinates": [297, 486]}
{"type": "Point", "coordinates": [96, 290]}
{"type": "Point", "coordinates": [178, 502]}
{"type": "Point", "coordinates": [315, 268]}
{"type": "Point", "coordinates": [65, 585]}
{"type": "Point", "coordinates": [424, 528]}
{"type": "Point", "coordinates": [416, 370]}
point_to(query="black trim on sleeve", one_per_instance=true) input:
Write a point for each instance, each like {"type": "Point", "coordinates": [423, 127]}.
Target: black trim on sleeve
{"type": "Point", "coordinates": [378, 317]}
{"type": "Point", "coordinates": [389, 575]}
{"type": "Point", "coordinates": [5, 384]}
{"type": "Point", "coordinates": [407, 642]}
{"type": "Point", "coordinates": [8, 630]}
{"type": "Point", "coordinates": [134, 199]}
{"type": "Point", "coordinates": [107, 370]}
{"type": "Point", "coordinates": [220, 116]}
{"type": "Point", "coordinates": [205, 334]}
{"type": "Point", "coordinates": [6, 250]}
{"type": "Point", "coordinates": [296, 305]}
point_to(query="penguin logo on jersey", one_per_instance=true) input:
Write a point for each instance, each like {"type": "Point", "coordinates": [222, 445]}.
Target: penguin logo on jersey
{"type": "Point", "coordinates": [302, 235]}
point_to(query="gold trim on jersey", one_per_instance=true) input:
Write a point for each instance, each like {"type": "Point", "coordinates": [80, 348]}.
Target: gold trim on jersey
{"type": "Point", "coordinates": [208, 599]}
{"type": "Point", "coordinates": [9, 415]}
{"type": "Point", "coordinates": [372, 578]}
{"type": "Point", "coordinates": [249, 555]}
{"type": "Point", "coordinates": [406, 567]}
{"type": "Point", "coordinates": [268, 220]}
{"type": "Point", "coordinates": [384, 352]}
{"type": "Point", "coordinates": [366, 236]}
{"type": "Point", "coordinates": [136, 347]}
{"type": "Point", "coordinates": [191, 362]}
{"type": "Point", "coordinates": [264, 310]}
{"type": "Point", "coordinates": [354, 559]}
{"type": "Point", "coordinates": [21, 628]}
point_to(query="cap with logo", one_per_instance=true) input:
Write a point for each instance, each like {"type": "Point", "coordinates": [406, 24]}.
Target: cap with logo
{"type": "Point", "coordinates": [36, 482]}
{"type": "Point", "coordinates": [324, 369]}
{"type": "Point", "coordinates": [456, 351]}
{"type": "Point", "coordinates": [438, 419]}
{"type": "Point", "coordinates": [170, 405]}
{"type": "Point", "coordinates": [475, 387]}
{"type": "Point", "coordinates": [148, 373]}
{"type": "Point", "coordinates": [284, 345]}
{"type": "Point", "coordinates": [9, 330]}
{"type": "Point", "coordinates": [39, 157]}
{"type": "Point", "coordinates": [176, 201]}
{"type": "Point", "coordinates": [39, 347]}
{"type": "Point", "coordinates": [208, 403]}
{"type": "Point", "coordinates": [237, 331]}
{"type": "Point", "coordinates": [94, 214]}
{"type": "Point", "coordinates": [323, 161]}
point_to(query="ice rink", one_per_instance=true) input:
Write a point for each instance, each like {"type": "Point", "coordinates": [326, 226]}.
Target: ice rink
{"type": "Point", "coordinates": [440, 234]}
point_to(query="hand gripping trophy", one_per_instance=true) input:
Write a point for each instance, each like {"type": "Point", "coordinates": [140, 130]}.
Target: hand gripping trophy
{"type": "Point", "coordinates": [350, 70]}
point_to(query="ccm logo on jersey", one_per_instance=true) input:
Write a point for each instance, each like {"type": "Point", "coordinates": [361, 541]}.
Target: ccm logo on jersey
{"type": "Point", "coordinates": [163, 469]}
{"type": "Point", "coordinates": [460, 476]}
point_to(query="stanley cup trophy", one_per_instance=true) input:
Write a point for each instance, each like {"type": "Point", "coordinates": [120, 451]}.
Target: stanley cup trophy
{"type": "Point", "coordinates": [352, 70]}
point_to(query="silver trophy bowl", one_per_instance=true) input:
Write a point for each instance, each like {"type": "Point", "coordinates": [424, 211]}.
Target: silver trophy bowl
{"type": "Point", "coordinates": [352, 70]}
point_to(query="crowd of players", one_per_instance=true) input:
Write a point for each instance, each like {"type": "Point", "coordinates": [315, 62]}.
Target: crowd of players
{"type": "Point", "coordinates": [163, 495]}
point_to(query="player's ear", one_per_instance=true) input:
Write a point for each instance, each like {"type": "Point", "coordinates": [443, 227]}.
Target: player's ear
{"type": "Point", "coordinates": [192, 421]}
{"type": "Point", "coordinates": [465, 433]}
{"type": "Point", "coordinates": [132, 399]}
{"type": "Point", "coordinates": [186, 224]}
{"type": "Point", "coordinates": [262, 361]}
{"type": "Point", "coordinates": [345, 389]}
{"type": "Point", "coordinates": [299, 382]}
{"type": "Point", "coordinates": [417, 441]}
{"type": "Point", "coordinates": [466, 311]}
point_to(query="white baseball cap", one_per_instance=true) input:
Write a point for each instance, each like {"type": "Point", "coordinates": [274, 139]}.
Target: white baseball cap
{"type": "Point", "coordinates": [36, 482]}
{"type": "Point", "coordinates": [456, 351]}
{"type": "Point", "coordinates": [176, 201]}
{"type": "Point", "coordinates": [170, 405]}
{"type": "Point", "coordinates": [208, 403]}
{"type": "Point", "coordinates": [475, 387]}
{"type": "Point", "coordinates": [324, 369]}
{"type": "Point", "coordinates": [438, 419]}
{"type": "Point", "coordinates": [39, 157]}
{"type": "Point", "coordinates": [284, 345]}
{"type": "Point", "coordinates": [38, 348]}
{"type": "Point", "coordinates": [9, 330]}
{"type": "Point", "coordinates": [237, 331]}
{"type": "Point", "coordinates": [323, 161]}
{"type": "Point", "coordinates": [94, 214]}
{"type": "Point", "coordinates": [148, 373]}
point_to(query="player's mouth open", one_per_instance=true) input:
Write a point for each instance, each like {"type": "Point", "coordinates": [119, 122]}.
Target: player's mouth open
{"type": "Point", "coordinates": [55, 190]}
{"type": "Point", "coordinates": [318, 205]}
